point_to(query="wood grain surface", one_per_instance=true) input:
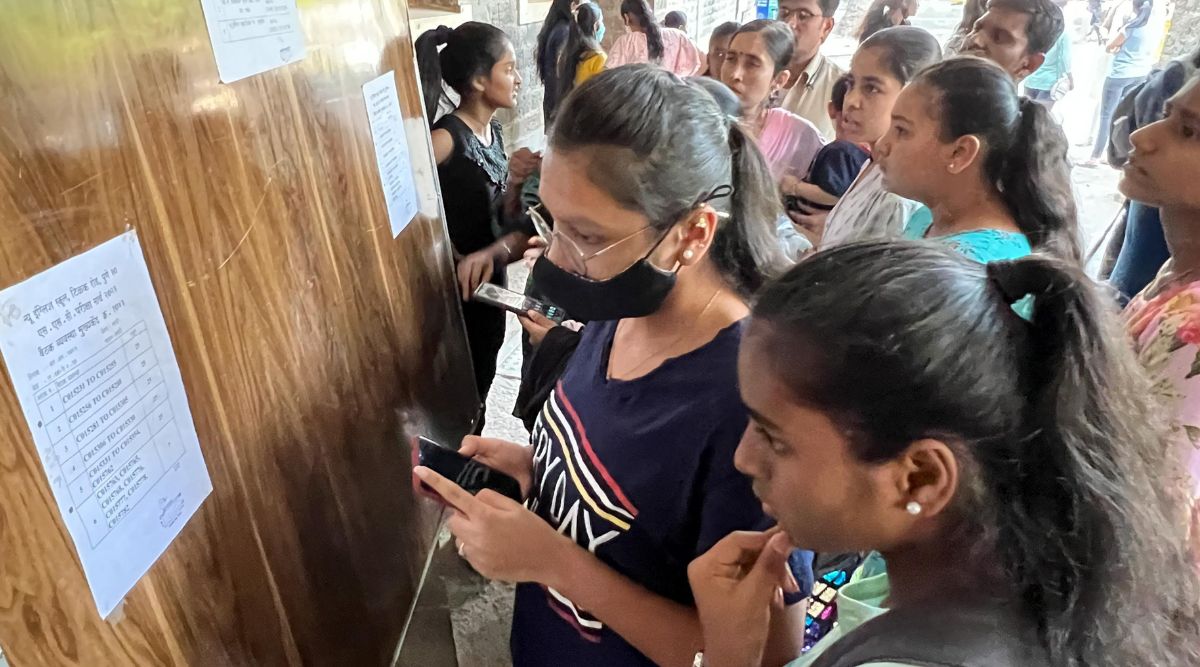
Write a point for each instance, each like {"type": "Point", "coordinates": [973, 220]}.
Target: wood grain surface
{"type": "Point", "coordinates": [312, 344]}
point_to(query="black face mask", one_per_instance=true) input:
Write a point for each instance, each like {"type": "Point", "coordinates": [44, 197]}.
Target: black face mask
{"type": "Point", "coordinates": [635, 292]}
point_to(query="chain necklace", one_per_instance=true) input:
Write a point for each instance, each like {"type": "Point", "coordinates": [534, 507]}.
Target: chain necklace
{"type": "Point", "coordinates": [669, 344]}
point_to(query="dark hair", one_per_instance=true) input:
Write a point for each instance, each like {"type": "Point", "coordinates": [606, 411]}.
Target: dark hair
{"type": "Point", "coordinates": [641, 11]}
{"type": "Point", "coordinates": [660, 146]}
{"type": "Point", "coordinates": [877, 17]}
{"type": "Point", "coordinates": [828, 7]}
{"type": "Point", "coordinates": [1061, 495]}
{"type": "Point", "coordinates": [838, 93]}
{"type": "Point", "coordinates": [1025, 150]}
{"type": "Point", "coordinates": [726, 29]}
{"type": "Point", "coordinates": [907, 50]}
{"type": "Point", "coordinates": [1045, 21]}
{"type": "Point", "coordinates": [972, 11]}
{"type": "Point", "coordinates": [675, 19]}
{"type": "Point", "coordinates": [777, 37]}
{"type": "Point", "coordinates": [581, 43]}
{"type": "Point", "coordinates": [1141, 14]}
{"type": "Point", "coordinates": [726, 100]}
{"type": "Point", "coordinates": [558, 15]}
{"type": "Point", "coordinates": [471, 50]}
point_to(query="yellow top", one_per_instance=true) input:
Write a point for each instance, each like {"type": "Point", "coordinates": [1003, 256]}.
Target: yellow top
{"type": "Point", "coordinates": [591, 66]}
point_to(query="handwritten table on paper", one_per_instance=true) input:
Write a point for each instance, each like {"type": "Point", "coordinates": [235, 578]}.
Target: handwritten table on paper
{"type": "Point", "coordinates": [88, 353]}
{"type": "Point", "coordinates": [391, 150]}
{"type": "Point", "coordinates": [252, 36]}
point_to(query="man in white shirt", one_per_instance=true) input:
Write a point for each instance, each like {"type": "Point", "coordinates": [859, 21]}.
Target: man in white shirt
{"type": "Point", "coordinates": [811, 22]}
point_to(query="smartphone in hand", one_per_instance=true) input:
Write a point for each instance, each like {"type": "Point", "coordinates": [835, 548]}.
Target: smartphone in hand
{"type": "Point", "coordinates": [468, 473]}
{"type": "Point", "coordinates": [494, 295]}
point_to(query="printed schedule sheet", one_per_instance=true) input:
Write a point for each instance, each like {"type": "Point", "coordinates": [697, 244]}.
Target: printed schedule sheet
{"type": "Point", "coordinates": [88, 354]}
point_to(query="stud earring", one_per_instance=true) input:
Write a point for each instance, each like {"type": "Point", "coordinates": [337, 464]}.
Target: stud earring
{"type": "Point", "coordinates": [688, 255]}
{"type": "Point", "coordinates": [913, 507]}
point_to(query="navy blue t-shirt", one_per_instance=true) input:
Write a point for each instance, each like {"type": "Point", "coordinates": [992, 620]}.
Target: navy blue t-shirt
{"type": "Point", "coordinates": [641, 474]}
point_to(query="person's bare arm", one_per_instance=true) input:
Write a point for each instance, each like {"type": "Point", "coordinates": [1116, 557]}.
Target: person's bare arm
{"type": "Point", "coordinates": [665, 631]}
{"type": "Point", "coordinates": [443, 145]}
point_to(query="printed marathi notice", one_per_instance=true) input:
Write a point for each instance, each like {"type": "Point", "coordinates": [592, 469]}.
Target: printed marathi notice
{"type": "Point", "coordinates": [253, 36]}
{"type": "Point", "coordinates": [391, 150]}
{"type": "Point", "coordinates": [88, 354]}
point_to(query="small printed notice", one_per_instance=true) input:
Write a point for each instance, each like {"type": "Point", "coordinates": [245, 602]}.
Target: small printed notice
{"type": "Point", "coordinates": [252, 36]}
{"type": "Point", "coordinates": [391, 150]}
{"type": "Point", "coordinates": [88, 353]}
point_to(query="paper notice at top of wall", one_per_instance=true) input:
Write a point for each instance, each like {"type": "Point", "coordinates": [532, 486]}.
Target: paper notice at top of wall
{"type": "Point", "coordinates": [89, 357]}
{"type": "Point", "coordinates": [391, 150]}
{"type": "Point", "coordinates": [253, 36]}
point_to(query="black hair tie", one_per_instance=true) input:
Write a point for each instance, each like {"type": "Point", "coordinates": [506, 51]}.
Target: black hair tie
{"type": "Point", "coordinates": [1011, 280]}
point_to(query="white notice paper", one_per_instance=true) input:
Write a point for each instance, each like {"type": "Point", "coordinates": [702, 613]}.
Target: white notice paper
{"type": "Point", "coordinates": [253, 36]}
{"type": "Point", "coordinates": [88, 354]}
{"type": "Point", "coordinates": [391, 150]}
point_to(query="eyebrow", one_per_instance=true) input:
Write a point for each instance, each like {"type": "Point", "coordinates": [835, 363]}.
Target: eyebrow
{"type": "Point", "coordinates": [1188, 114]}
{"type": "Point", "coordinates": [902, 119]}
{"type": "Point", "coordinates": [762, 420]}
{"type": "Point", "coordinates": [873, 79]}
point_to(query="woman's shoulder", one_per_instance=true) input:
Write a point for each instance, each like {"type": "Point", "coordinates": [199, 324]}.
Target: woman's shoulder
{"type": "Point", "coordinates": [990, 245]}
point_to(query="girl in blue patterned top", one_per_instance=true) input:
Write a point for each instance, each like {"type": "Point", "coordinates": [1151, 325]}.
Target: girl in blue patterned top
{"type": "Point", "coordinates": [990, 166]}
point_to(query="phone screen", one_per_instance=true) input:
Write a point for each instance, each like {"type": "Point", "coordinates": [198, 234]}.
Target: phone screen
{"type": "Point", "coordinates": [470, 474]}
{"type": "Point", "coordinates": [517, 303]}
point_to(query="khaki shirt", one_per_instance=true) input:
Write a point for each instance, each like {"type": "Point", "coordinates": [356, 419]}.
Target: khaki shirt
{"type": "Point", "coordinates": [809, 98]}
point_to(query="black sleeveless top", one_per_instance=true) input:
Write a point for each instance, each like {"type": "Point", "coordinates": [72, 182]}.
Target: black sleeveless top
{"type": "Point", "coordinates": [473, 181]}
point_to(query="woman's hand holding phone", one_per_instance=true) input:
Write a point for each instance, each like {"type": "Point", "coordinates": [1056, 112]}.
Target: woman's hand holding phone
{"type": "Point", "coordinates": [509, 458]}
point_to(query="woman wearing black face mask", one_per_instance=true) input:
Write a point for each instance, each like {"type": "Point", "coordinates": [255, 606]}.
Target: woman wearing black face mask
{"type": "Point", "coordinates": [664, 218]}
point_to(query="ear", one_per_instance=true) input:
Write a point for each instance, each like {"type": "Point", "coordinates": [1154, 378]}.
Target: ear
{"type": "Point", "coordinates": [1032, 63]}
{"type": "Point", "coordinates": [832, 111]}
{"type": "Point", "coordinates": [696, 235]}
{"type": "Point", "coordinates": [827, 28]}
{"type": "Point", "coordinates": [781, 79]}
{"type": "Point", "coordinates": [963, 153]}
{"type": "Point", "coordinates": [478, 83]}
{"type": "Point", "coordinates": [926, 474]}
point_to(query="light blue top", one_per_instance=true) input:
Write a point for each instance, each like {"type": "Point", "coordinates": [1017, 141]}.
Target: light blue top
{"type": "Point", "coordinates": [1057, 65]}
{"type": "Point", "coordinates": [1140, 51]}
{"type": "Point", "coordinates": [981, 245]}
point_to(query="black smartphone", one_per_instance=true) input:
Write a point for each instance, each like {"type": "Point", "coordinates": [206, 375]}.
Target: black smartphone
{"type": "Point", "coordinates": [494, 295]}
{"type": "Point", "coordinates": [470, 474]}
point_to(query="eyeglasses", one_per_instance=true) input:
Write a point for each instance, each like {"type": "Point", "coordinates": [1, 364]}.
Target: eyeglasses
{"type": "Point", "coordinates": [574, 259]}
{"type": "Point", "coordinates": [801, 15]}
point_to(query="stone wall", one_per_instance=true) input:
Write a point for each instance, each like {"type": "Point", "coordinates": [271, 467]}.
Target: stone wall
{"type": "Point", "coordinates": [1183, 37]}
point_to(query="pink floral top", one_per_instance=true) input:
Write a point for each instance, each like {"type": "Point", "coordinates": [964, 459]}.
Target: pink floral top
{"type": "Point", "coordinates": [680, 55]}
{"type": "Point", "coordinates": [1166, 336]}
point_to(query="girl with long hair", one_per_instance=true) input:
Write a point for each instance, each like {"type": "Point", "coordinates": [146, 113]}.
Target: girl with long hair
{"type": "Point", "coordinates": [550, 41]}
{"type": "Point", "coordinates": [647, 42]}
{"type": "Point", "coordinates": [664, 217]}
{"type": "Point", "coordinates": [582, 57]}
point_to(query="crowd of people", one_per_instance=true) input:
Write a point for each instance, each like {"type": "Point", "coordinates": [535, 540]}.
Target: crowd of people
{"type": "Point", "coordinates": [833, 355]}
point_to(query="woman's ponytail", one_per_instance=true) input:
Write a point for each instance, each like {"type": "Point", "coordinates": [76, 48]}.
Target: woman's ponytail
{"type": "Point", "coordinates": [746, 248]}
{"type": "Point", "coordinates": [1066, 507]}
{"type": "Point", "coordinates": [471, 50]}
{"type": "Point", "coordinates": [1024, 151]}
{"type": "Point", "coordinates": [1035, 182]}
{"type": "Point", "coordinates": [646, 21]}
{"type": "Point", "coordinates": [430, 67]}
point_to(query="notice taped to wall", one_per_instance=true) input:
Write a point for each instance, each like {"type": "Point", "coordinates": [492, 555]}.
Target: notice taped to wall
{"type": "Point", "coordinates": [252, 36]}
{"type": "Point", "coordinates": [88, 354]}
{"type": "Point", "coordinates": [391, 150]}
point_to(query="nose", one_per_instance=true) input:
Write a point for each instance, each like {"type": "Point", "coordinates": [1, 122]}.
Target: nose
{"type": "Point", "coordinates": [1144, 139]}
{"type": "Point", "coordinates": [883, 147]}
{"type": "Point", "coordinates": [853, 99]}
{"type": "Point", "coordinates": [742, 456]}
{"type": "Point", "coordinates": [518, 76]}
